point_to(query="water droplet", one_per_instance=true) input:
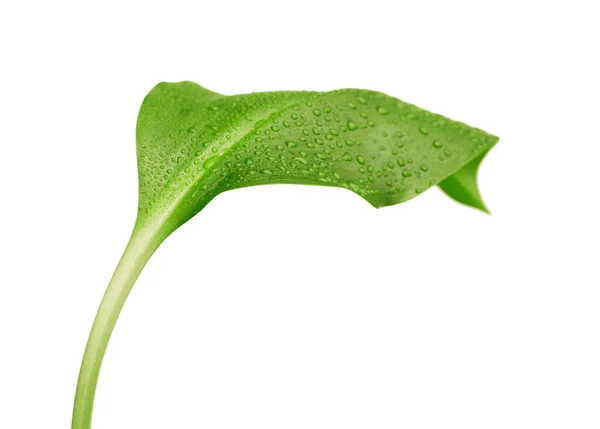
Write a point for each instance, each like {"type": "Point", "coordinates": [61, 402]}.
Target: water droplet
{"type": "Point", "coordinates": [291, 144]}
{"type": "Point", "coordinates": [354, 187]}
{"type": "Point", "coordinates": [407, 173]}
{"type": "Point", "coordinates": [347, 157]}
{"type": "Point", "coordinates": [352, 125]}
{"type": "Point", "coordinates": [361, 100]}
{"type": "Point", "coordinates": [382, 110]}
{"type": "Point", "coordinates": [191, 130]}
{"type": "Point", "coordinates": [360, 160]}
{"type": "Point", "coordinates": [437, 144]}
{"type": "Point", "coordinates": [401, 162]}
{"type": "Point", "coordinates": [316, 112]}
{"type": "Point", "coordinates": [423, 167]}
{"type": "Point", "coordinates": [248, 161]}
{"type": "Point", "coordinates": [423, 131]}
{"type": "Point", "coordinates": [210, 162]}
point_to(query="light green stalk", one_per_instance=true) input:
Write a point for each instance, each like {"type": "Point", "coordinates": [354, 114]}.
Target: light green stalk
{"type": "Point", "coordinates": [140, 248]}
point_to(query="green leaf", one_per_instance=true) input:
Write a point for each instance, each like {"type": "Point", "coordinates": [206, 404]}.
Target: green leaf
{"type": "Point", "coordinates": [193, 144]}
{"type": "Point", "coordinates": [462, 185]}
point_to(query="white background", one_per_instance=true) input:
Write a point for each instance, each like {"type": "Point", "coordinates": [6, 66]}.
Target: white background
{"type": "Point", "coordinates": [302, 307]}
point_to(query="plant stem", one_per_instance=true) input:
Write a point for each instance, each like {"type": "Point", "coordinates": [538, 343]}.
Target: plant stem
{"type": "Point", "coordinates": [139, 249]}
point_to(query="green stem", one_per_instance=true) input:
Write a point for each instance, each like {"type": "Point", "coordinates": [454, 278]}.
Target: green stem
{"type": "Point", "coordinates": [139, 249]}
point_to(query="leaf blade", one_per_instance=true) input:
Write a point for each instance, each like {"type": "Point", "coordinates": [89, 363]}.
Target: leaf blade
{"type": "Point", "coordinates": [385, 150]}
{"type": "Point", "coordinates": [463, 187]}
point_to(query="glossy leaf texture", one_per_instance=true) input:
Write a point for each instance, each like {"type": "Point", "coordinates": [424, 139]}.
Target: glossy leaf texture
{"type": "Point", "coordinates": [193, 144]}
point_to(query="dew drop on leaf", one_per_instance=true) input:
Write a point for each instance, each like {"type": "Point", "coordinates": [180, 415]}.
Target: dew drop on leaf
{"type": "Point", "coordinates": [210, 162]}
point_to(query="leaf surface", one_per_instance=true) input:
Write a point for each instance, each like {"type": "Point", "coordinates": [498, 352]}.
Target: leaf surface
{"type": "Point", "coordinates": [193, 144]}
